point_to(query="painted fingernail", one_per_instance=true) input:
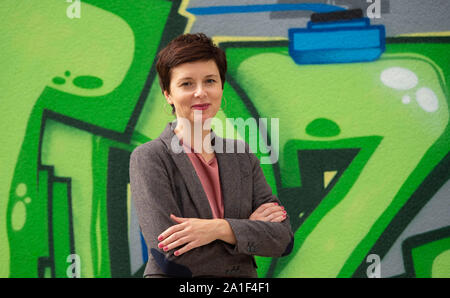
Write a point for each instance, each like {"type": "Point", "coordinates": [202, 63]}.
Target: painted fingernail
{"type": "Point", "coordinates": [165, 248]}
{"type": "Point", "coordinates": [282, 207]}
{"type": "Point", "coordinates": [160, 245]}
{"type": "Point", "coordinates": [160, 238]}
{"type": "Point", "coordinates": [176, 253]}
{"type": "Point", "coordinates": [284, 212]}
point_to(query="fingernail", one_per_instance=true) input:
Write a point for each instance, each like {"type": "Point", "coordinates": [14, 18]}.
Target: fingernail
{"type": "Point", "coordinates": [176, 253]}
{"type": "Point", "coordinates": [165, 248]}
{"type": "Point", "coordinates": [160, 238]}
{"type": "Point", "coordinates": [160, 245]}
{"type": "Point", "coordinates": [276, 204]}
{"type": "Point", "coordinates": [284, 212]}
{"type": "Point", "coordinates": [282, 207]}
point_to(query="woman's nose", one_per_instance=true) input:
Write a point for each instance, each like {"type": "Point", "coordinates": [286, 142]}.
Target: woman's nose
{"type": "Point", "coordinates": [199, 92]}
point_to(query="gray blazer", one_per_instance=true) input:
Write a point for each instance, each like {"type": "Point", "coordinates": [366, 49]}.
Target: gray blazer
{"type": "Point", "coordinates": [164, 181]}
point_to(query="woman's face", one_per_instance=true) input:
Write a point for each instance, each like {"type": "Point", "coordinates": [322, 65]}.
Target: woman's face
{"type": "Point", "coordinates": [195, 87]}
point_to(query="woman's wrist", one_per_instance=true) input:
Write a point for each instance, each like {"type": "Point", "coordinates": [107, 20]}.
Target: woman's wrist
{"type": "Point", "coordinates": [224, 231]}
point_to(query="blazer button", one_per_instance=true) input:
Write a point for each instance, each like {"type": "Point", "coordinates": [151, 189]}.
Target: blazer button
{"type": "Point", "coordinates": [251, 247]}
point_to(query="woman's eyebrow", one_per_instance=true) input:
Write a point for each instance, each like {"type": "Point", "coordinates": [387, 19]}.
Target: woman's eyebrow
{"type": "Point", "coordinates": [189, 78]}
{"type": "Point", "coordinates": [185, 78]}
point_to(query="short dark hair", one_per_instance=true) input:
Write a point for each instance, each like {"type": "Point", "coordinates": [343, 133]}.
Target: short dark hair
{"type": "Point", "coordinates": [188, 48]}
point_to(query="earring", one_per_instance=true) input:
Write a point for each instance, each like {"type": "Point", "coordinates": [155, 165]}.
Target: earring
{"type": "Point", "coordinates": [223, 109]}
{"type": "Point", "coordinates": [167, 112]}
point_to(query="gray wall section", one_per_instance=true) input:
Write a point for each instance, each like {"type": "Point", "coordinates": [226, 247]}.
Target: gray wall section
{"type": "Point", "coordinates": [134, 241]}
{"type": "Point", "coordinates": [412, 16]}
{"type": "Point", "coordinates": [398, 16]}
{"type": "Point", "coordinates": [254, 24]}
{"type": "Point", "coordinates": [434, 215]}
{"type": "Point", "coordinates": [202, 3]}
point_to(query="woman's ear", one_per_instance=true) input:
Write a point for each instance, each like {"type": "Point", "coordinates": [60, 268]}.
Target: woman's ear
{"type": "Point", "coordinates": [167, 96]}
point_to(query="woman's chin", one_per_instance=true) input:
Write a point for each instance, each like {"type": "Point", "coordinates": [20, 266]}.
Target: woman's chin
{"type": "Point", "coordinates": [204, 119]}
{"type": "Point", "coordinates": [202, 116]}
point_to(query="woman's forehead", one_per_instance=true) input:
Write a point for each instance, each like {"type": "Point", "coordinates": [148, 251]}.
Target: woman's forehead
{"type": "Point", "coordinates": [195, 69]}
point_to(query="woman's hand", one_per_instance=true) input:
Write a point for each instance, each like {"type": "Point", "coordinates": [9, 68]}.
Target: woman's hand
{"type": "Point", "coordinates": [269, 212]}
{"type": "Point", "coordinates": [192, 233]}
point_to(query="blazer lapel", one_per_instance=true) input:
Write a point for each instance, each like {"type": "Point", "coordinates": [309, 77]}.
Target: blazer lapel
{"type": "Point", "coordinates": [187, 171]}
{"type": "Point", "coordinates": [229, 173]}
{"type": "Point", "coordinates": [230, 178]}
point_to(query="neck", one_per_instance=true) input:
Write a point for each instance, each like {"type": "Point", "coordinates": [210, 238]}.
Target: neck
{"type": "Point", "coordinates": [195, 135]}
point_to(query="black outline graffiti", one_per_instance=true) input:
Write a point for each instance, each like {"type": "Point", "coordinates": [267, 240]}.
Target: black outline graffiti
{"type": "Point", "coordinates": [174, 26]}
{"type": "Point", "coordinates": [432, 183]}
{"type": "Point", "coordinates": [421, 196]}
{"type": "Point", "coordinates": [418, 240]}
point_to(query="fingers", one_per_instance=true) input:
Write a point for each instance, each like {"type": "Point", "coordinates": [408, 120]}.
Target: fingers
{"type": "Point", "coordinates": [272, 209]}
{"type": "Point", "coordinates": [172, 238]}
{"type": "Point", "coordinates": [175, 240]}
{"type": "Point", "coordinates": [170, 231]}
{"type": "Point", "coordinates": [173, 243]}
{"type": "Point", "coordinates": [178, 219]}
{"type": "Point", "coordinates": [269, 212]}
{"type": "Point", "coordinates": [261, 211]}
{"type": "Point", "coordinates": [262, 208]}
{"type": "Point", "coordinates": [191, 233]}
{"type": "Point", "coordinates": [185, 248]}
{"type": "Point", "coordinates": [277, 216]}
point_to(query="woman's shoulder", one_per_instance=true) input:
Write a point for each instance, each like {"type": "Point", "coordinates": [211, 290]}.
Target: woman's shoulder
{"type": "Point", "coordinates": [150, 149]}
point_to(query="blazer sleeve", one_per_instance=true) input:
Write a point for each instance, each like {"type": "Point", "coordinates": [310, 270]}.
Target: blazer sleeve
{"type": "Point", "coordinates": [254, 237]}
{"type": "Point", "coordinates": [154, 202]}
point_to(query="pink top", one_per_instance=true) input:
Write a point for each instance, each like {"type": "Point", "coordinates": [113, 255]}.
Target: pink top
{"type": "Point", "coordinates": [208, 173]}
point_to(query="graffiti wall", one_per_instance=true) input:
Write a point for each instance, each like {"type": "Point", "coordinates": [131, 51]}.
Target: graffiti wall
{"type": "Point", "coordinates": [360, 88]}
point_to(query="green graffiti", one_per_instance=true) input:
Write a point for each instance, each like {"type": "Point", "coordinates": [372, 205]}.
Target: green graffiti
{"type": "Point", "coordinates": [322, 128]}
{"type": "Point", "coordinates": [408, 122]}
{"type": "Point", "coordinates": [357, 141]}
{"type": "Point", "coordinates": [436, 262]}
{"type": "Point", "coordinates": [109, 65]}
{"type": "Point", "coordinates": [88, 82]}
{"type": "Point", "coordinates": [441, 265]}
{"type": "Point", "coordinates": [18, 216]}
{"type": "Point", "coordinates": [58, 80]}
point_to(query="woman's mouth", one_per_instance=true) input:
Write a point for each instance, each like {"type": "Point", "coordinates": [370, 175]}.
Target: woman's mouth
{"type": "Point", "coordinates": [201, 106]}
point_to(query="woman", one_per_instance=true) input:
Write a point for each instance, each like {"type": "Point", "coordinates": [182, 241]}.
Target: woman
{"type": "Point", "coordinates": [203, 212]}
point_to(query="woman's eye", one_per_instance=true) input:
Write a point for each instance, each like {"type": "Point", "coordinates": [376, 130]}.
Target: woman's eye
{"type": "Point", "coordinates": [210, 81]}
{"type": "Point", "coordinates": [186, 84]}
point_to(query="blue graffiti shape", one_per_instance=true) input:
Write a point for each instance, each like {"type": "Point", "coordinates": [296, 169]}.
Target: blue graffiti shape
{"type": "Point", "coordinates": [337, 37]}
{"type": "Point", "coordinates": [144, 248]}
{"type": "Point", "coordinates": [315, 7]}
{"type": "Point", "coordinates": [337, 42]}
